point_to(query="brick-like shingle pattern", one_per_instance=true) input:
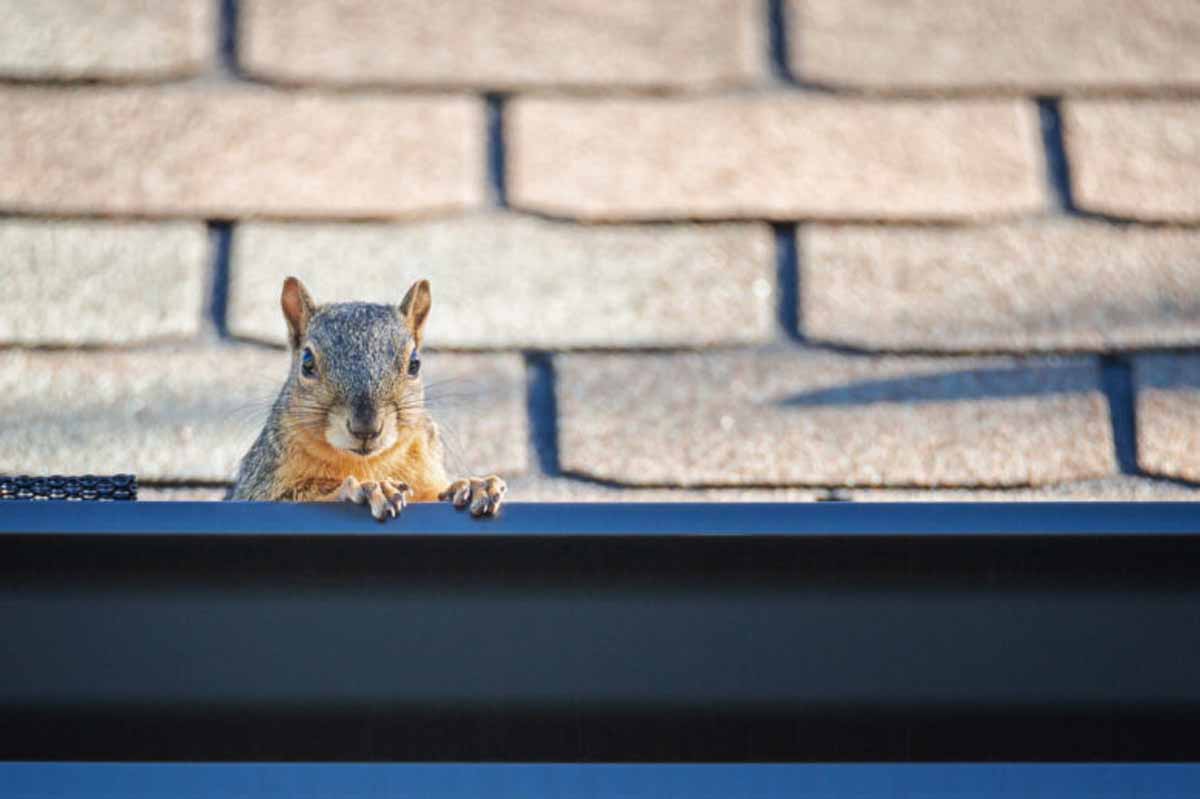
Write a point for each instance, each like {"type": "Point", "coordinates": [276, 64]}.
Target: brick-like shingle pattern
{"type": "Point", "coordinates": [501, 44]}
{"type": "Point", "coordinates": [774, 157]}
{"type": "Point", "coordinates": [826, 419]}
{"type": "Point", "coordinates": [1056, 284]}
{"type": "Point", "coordinates": [1168, 415]}
{"type": "Point", "coordinates": [106, 39]}
{"type": "Point", "coordinates": [223, 153]}
{"type": "Point", "coordinates": [1025, 45]}
{"type": "Point", "coordinates": [101, 283]}
{"type": "Point", "coordinates": [1138, 159]}
{"type": "Point", "coordinates": [826, 249]}
{"type": "Point", "coordinates": [511, 281]}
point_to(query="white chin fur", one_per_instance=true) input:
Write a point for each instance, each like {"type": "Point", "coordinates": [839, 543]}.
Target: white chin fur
{"type": "Point", "coordinates": [337, 435]}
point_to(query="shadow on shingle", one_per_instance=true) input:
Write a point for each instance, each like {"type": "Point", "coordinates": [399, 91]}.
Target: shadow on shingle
{"type": "Point", "coordinates": [1007, 382]}
{"type": "Point", "coordinates": [1168, 371]}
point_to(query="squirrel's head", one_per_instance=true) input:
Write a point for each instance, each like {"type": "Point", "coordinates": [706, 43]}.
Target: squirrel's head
{"type": "Point", "coordinates": [356, 368]}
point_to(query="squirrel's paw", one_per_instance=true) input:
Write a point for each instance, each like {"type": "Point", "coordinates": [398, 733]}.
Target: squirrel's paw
{"type": "Point", "coordinates": [482, 495]}
{"type": "Point", "coordinates": [386, 498]}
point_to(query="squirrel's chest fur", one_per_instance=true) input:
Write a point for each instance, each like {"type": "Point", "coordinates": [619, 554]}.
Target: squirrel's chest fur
{"type": "Point", "coordinates": [312, 470]}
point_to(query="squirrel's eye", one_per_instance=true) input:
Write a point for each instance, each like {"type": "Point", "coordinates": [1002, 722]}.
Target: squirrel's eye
{"type": "Point", "coordinates": [308, 363]}
{"type": "Point", "coordinates": [414, 364]}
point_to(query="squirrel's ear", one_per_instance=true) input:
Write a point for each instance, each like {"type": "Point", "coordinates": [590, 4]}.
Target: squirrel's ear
{"type": "Point", "coordinates": [297, 309]}
{"type": "Point", "coordinates": [414, 308]}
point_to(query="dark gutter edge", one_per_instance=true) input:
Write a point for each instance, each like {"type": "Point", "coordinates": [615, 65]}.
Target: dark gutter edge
{"type": "Point", "coordinates": [612, 520]}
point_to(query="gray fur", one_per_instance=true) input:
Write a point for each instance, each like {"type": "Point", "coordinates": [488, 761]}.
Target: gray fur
{"type": "Point", "coordinates": [255, 478]}
{"type": "Point", "coordinates": [361, 350]}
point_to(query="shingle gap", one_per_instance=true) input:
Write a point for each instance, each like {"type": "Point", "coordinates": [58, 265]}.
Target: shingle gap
{"type": "Point", "coordinates": [542, 408]}
{"type": "Point", "coordinates": [227, 37]}
{"type": "Point", "coordinates": [1058, 168]}
{"type": "Point", "coordinates": [777, 41]}
{"type": "Point", "coordinates": [1117, 379]}
{"type": "Point", "coordinates": [787, 280]}
{"type": "Point", "coordinates": [495, 148]}
{"type": "Point", "coordinates": [220, 236]}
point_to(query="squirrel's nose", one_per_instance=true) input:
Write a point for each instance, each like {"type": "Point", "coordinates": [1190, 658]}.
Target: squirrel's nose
{"type": "Point", "coordinates": [365, 431]}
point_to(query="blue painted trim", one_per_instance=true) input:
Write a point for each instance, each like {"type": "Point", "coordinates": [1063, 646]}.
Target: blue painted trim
{"type": "Point", "coordinates": [521, 781]}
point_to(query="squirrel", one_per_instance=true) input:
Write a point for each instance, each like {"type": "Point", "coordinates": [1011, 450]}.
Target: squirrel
{"type": "Point", "coordinates": [350, 422]}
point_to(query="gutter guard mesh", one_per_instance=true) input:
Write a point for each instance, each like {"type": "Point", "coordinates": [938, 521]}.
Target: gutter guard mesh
{"type": "Point", "coordinates": [120, 487]}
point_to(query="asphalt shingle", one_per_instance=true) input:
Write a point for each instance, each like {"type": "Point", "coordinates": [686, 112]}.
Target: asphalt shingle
{"type": "Point", "coordinates": [1168, 414]}
{"type": "Point", "coordinates": [818, 418]}
{"type": "Point", "coordinates": [1135, 158]}
{"type": "Point", "coordinates": [114, 39]}
{"type": "Point", "coordinates": [502, 280]}
{"type": "Point", "coordinates": [1031, 45]}
{"type": "Point", "coordinates": [1124, 488]}
{"type": "Point", "coordinates": [190, 414]}
{"type": "Point", "coordinates": [499, 44]}
{"type": "Point", "coordinates": [181, 493]}
{"type": "Point", "coordinates": [773, 156]}
{"type": "Point", "coordinates": [90, 283]}
{"type": "Point", "coordinates": [929, 225]}
{"type": "Point", "coordinates": [1042, 285]}
{"type": "Point", "coordinates": [566, 489]}
{"type": "Point", "coordinates": [227, 153]}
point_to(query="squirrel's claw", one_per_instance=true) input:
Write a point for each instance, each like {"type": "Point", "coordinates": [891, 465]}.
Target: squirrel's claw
{"type": "Point", "coordinates": [385, 497]}
{"type": "Point", "coordinates": [483, 495]}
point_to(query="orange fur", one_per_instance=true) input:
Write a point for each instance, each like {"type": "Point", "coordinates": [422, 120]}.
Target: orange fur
{"type": "Point", "coordinates": [313, 470]}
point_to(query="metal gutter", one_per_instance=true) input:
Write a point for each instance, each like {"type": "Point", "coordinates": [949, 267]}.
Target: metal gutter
{"type": "Point", "coordinates": [201, 631]}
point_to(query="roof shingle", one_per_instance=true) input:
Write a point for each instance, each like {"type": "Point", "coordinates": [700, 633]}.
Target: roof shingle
{"type": "Point", "coordinates": [110, 40]}
{"type": "Point", "coordinates": [1124, 488]}
{"type": "Point", "coordinates": [223, 153]}
{"type": "Point", "coordinates": [1057, 284]}
{"type": "Point", "coordinates": [1168, 414]}
{"type": "Point", "coordinates": [499, 44]}
{"type": "Point", "coordinates": [774, 156]}
{"type": "Point", "coordinates": [819, 418]}
{"type": "Point", "coordinates": [502, 280]}
{"type": "Point", "coordinates": [1032, 45]}
{"type": "Point", "coordinates": [100, 283]}
{"type": "Point", "coordinates": [1138, 159]}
